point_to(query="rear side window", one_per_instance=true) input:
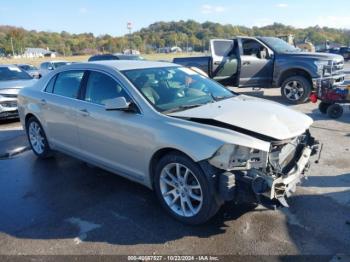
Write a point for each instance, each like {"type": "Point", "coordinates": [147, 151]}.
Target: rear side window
{"type": "Point", "coordinates": [49, 87]}
{"type": "Point", "coordinates": [101, 87]}
{"type": "Point", "coordinates": [68, 83]}
{"type": "Point", "coordinates": [222, 48]}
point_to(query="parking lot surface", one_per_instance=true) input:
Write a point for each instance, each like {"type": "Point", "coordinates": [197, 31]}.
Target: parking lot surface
{"type": "Point", "coordinates": [63, 206]}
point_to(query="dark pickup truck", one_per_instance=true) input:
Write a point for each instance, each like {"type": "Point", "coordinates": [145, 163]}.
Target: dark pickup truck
{"type": "Point", "coordinates": [268, 62]}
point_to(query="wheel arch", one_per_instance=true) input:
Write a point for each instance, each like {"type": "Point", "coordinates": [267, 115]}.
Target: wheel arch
{"type": "Point", "coordinates": [28, 116]}
{"type": "Point", "coordinates": [294, 72]}
{"type": "Point", "coordinates": [157, 156]}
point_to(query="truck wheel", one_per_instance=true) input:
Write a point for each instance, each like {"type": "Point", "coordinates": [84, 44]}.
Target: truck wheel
{"type": "Point", "coordinates": [183, 189]}
{"type": "Point", "coordinates": [296, 89]}
{"type": "Point", "coordinates": [323, 106]}
{"type": "Point", "coordinates": [335, 111]}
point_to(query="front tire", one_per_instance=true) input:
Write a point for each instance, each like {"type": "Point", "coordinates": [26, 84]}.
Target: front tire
{"type": "Point", "coordinates": [183, 190]}
{"type": "Point", "coordinates": [296, 89]}
{"type": "Point", "coordinates": [37, 138]}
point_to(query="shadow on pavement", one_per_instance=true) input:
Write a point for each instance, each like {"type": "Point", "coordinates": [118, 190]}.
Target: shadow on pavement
{"type": "Point", "coordinates": [62, 198]}
{"type": "Point", "coordinates": [320, 224]}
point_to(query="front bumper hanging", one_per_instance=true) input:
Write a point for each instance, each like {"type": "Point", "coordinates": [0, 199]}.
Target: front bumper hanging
{"type": "Point", "coordinates": [255, 186]}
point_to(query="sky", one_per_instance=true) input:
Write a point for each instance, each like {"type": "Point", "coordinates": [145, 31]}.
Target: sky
{"type": "Point", "coordinates": [111, 17]}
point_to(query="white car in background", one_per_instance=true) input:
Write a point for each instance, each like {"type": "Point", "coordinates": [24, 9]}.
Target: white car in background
{"type": "Point", "coordinates": [12, 79]}
{"type": "Point", "coordinates": [196, 143]}
{"type": "Point", "coordinates": [49, 66]}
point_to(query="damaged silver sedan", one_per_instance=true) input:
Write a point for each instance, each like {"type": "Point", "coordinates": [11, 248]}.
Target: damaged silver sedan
{"type": "Point", "coordinates": [196, 143]}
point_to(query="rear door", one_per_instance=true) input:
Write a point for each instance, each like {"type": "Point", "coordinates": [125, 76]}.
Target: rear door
{"type": "Point", "coordinates": [256, 63]}
{"type": "Point", "coordinates": [224, 60]}
{"type": "Point", "coordinates": [59, 102]}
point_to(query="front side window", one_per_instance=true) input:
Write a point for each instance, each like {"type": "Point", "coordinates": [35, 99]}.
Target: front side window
{"type": "Point", "coordinates": [171, 89]}
{"type": "Point", "coordinates": [253, 48]}
{"type": "Point", "coordinates": [101, 87]}
{"type": "Point", "coordinates": [59, 64]}
{"type": "Point", "coordinates": [8, 73]}
{"type": "Point", "coordinates": [68, 83]}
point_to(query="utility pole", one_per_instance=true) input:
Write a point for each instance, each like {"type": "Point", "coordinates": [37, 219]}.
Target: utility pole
{"type": "Point", "coordinates": [129, 27]}
{"type": "Point", "coordinates": [13, 50]}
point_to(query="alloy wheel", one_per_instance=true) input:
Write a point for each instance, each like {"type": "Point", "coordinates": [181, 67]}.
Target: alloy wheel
{"type": "Point", "coordinates": [36, 138]}
{"type": "Point", "coordinates": [181, 190]}
{"type": "Point", "coordinates": [294, 90]}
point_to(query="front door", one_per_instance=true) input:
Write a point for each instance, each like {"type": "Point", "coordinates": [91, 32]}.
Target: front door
{"type": "Point", "coordinates": [224, 61]}
{"type": "Point", "coordinates": [256, 64]}
{"type": "Point", "coordinates": [113, 139]}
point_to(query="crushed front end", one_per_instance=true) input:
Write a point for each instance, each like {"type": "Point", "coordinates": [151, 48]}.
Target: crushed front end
{"type": "Point", "coordinates": [268, 178]}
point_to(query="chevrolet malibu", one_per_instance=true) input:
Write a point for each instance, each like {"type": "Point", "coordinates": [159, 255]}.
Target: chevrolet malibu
{"type": "Point", "coordinates": [194, 142]}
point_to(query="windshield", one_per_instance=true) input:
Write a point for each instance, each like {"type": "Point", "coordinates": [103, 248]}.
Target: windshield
{"type": "Point", "coordinates": [58, 64]}
{"type": "Point", "coordinates": [130, 57]}
{"type": "Point", "coordinates": [279, 45]}
{"type": "Point", "coordinates": [13, 73]}
{"type": "Point", "coordinates": [171, 89]}
{"type": "Point", "coordinates": [27, 67]}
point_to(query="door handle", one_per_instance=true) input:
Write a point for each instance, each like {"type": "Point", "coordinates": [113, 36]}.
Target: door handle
{"type": "Point", "coordinates": [217, 63]}
{"type": "Point", "coordinates": [84, 112]}
{"type": "Point", "coordinates": [43, 102]}
{"type": "Point", "coordinates": [245, 63]}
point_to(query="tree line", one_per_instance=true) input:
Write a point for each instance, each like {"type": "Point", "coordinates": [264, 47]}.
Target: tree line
{"type": "Point", "coordinates": [189, 35]}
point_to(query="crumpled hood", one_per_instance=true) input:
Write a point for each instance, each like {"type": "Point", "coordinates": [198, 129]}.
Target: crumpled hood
{"type": "Point", "coordinates": [255, 115]}
{"type": "Point", "coordinates": [16, 85]}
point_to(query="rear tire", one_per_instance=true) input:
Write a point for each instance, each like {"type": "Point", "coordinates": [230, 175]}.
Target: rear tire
{"type": "Point", "coordinates": [187, 198]}
{"type": "Point", "coordinates": [335, 111]}
{"type": "Point", "coordinates": [323, 106]}
{"type": "Point", "coordinates": [37, 138]}
{"type": "Point", "coordinates": [296, 89]}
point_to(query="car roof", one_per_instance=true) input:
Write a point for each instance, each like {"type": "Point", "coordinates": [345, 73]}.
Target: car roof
{"type": "Point", "coordinates": [132, 64]}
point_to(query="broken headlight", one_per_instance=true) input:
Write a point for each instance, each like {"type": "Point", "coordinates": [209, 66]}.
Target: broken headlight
{"type": "Point", "coordinates": [235, 157]}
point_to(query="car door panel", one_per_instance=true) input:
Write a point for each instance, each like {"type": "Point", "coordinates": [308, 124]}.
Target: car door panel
{"type": "Point", "coordinates": [224, 60]}
{"type": "Point", "coordinates": [255, 69]}
{"type": "Point", "coordinates": [111, 138]}
{"type": "Point", "coordinates": [60, 113]}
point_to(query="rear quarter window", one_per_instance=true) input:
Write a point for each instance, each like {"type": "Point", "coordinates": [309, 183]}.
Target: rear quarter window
{"type": "Point", "coordinates": [50, 85]}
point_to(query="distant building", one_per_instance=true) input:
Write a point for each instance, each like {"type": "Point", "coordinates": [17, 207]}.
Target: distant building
{"type": "Point", "coordinates": [38, 52]}
{"type": "Point", "coordinates": [173, 49]}
{"type": "Point", "coordinates": [131, 52]}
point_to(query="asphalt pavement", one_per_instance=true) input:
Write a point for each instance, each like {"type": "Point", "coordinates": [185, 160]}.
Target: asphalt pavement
{"type": "Point", "coordinates": [62, 206]}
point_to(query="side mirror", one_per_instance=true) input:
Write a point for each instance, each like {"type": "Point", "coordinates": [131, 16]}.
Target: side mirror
{"type": "Point", "coordinates": [50, 68]}
{"type": "Point", "coordinates": [118, 103]}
